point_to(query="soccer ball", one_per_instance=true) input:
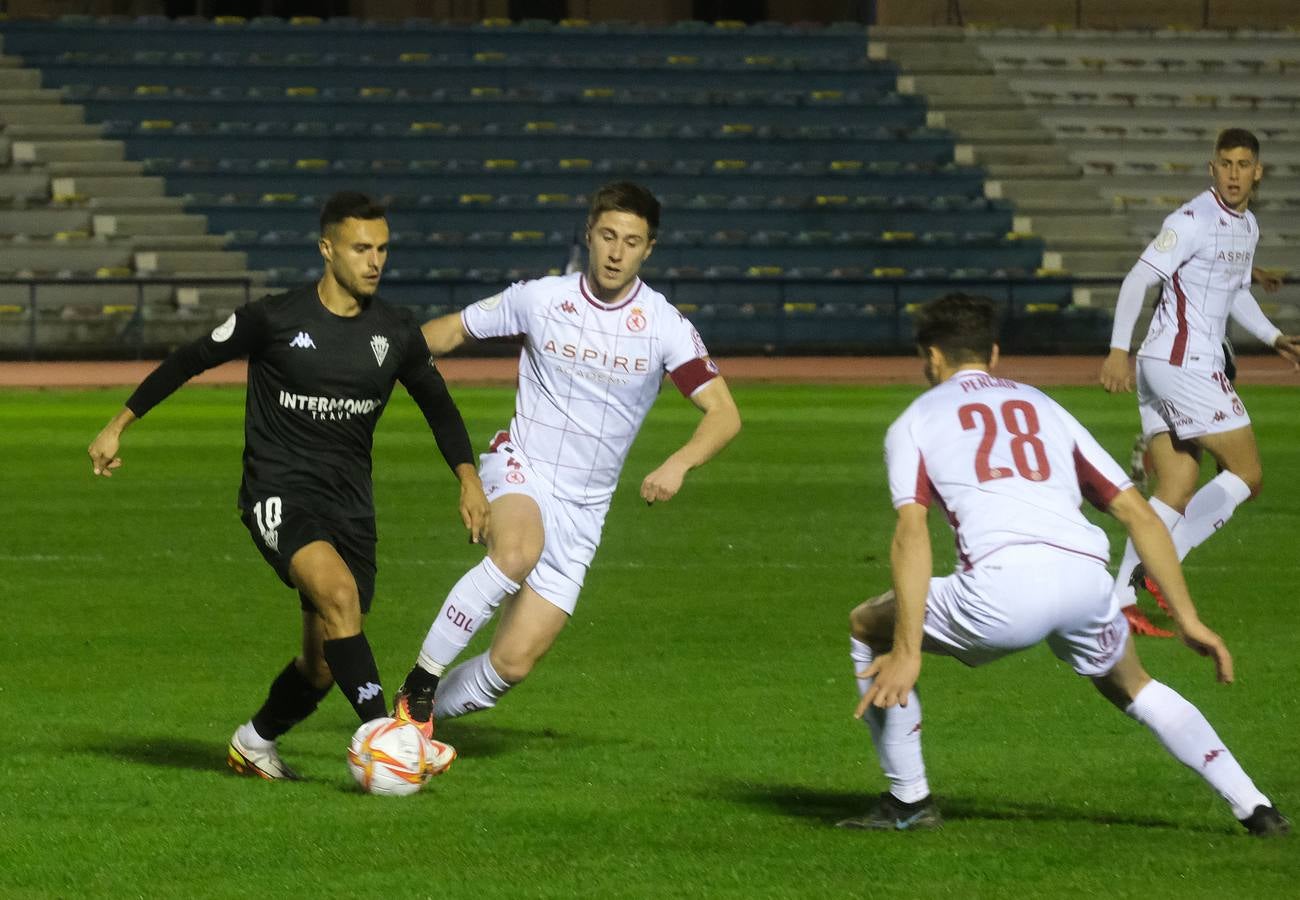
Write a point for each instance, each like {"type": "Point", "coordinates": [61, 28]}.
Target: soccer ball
{"type": "Point", "coordinates": [394, 759]}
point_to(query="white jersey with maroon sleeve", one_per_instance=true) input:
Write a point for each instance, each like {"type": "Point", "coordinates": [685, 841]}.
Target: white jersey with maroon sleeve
{"type": "Point", "coordinates": [1203, 253]}
{"type": "Point", "coordinates": [1006, 463]}
{"type": "Point", "coordinates": [588, 374]}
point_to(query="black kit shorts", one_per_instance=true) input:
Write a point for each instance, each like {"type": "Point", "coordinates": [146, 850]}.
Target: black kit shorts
{"type": "Point", "coordinates": [280, 530]}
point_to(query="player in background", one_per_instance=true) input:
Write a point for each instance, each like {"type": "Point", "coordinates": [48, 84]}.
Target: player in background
{"type": "Point", "coordinates": [1202, 258]}
{"type": "Point", "coordinates": [322, 362]}
{"type": "Point", "coordinates": [1271, 281]}
{"type": "Point", "coordinates": [1009, 467]}
{"type": "Point", "coordinates": [597, 345]}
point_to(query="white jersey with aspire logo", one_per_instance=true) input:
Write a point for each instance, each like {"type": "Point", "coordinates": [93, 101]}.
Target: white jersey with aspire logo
{"type": "Point", "coordinates": [1006, 463]}
{"type": "Point", "coordinates": [588, 374]}
{"type": "Point", "coordinates": [1203, 253]}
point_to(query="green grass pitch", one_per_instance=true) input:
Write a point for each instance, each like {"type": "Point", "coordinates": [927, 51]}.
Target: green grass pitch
{"type": "Point", "coordinates": [689, 736]}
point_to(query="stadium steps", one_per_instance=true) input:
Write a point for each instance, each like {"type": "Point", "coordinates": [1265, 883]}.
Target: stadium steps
{"type": "Point", "coordinates": [114, 224]}
{"type": "Point", "coordinates": [1012, 122]}
{"type": "Point", "coordinates": [994, 126]}
{"type": "Point", "coordinates": [159, 205]}
{"type": "Point", "coordinates": [1011, 154]}
{"type": "Point", "coordinates": [45, 255]}
{"type": "Point", "coordinates": [201, 263]}
{"type": "Point", "coordinates": [42, 131]}
{"type": "Point", "coordinates": [219, 301]}
{"type": "Point", "coordinates": [15, 78]}
{"type": "Point", "coordinates": [1138, 111]}
{"type": "Point", "coordinates": [47, 113]}
{"type": "Point", "coordinates": [95, 169]}
{"type": "Point", "coordinates": [107, 186]}
{"type": "Point", "coordinates": [28, 152]}
{"type": "Point", "coordinates": [24, 185]}
{"type": "Point", "coordinates": [1056, 227]}
{"type": "Point", "coordinates": [108, 219]}
{"type": "Point", "coordinates": [44, 221]}
{"type": "Point", "coordinates": [29, 97]}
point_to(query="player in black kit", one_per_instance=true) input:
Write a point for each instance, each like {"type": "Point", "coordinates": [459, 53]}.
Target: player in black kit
{"type": "Point", "coordinates": [322, 362]}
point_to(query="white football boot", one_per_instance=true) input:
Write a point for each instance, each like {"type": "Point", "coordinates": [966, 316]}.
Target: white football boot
{"type": "Point", "coordinates": [251, 754]}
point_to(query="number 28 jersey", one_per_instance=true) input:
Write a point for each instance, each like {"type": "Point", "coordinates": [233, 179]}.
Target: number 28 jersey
{"type": "Point", "coordinates": [1006, 463]}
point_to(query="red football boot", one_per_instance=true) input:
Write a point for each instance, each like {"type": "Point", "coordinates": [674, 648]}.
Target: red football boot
{"type": "Point", "coordinates": [1140, 624]}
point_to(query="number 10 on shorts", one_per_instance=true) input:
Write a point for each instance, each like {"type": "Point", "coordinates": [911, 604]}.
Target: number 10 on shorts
{"type": "Point", "coordinates": [268, 515]}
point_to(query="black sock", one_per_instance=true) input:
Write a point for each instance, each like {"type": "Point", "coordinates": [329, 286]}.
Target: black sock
{"type": "Point", "coordinates": [354, 670]}
{"type": "Point", "coordinates": [290, 700]}
{"type": "Point", "coordinates": [420, 679]}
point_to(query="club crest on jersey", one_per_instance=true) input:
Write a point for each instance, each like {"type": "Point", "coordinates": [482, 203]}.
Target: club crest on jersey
{"type": "Point", "coordinates": [379, 344]}
{"type": "Point", "coordinates": [636, 319]}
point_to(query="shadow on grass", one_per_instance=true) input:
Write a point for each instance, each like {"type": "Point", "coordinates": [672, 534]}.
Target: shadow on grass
{"type": "Point", "coordinates": [472, 741]}
{"type": "Point", "coordinates": [476, 741]}
{"type": "Point", "coordinates": [163, 752]}
{"type": "Point", "coordinates": [829, 806]}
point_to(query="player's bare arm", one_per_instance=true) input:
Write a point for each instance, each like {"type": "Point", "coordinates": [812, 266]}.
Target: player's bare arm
{"type": "Point", "coordinates": [895, 672]}
{"type": "Point", "coordinates": [721, 423]}
{"type": "Point", "coordinates": [445, 334]}
{"type": "Point", "coordinates": [1156, 550]}
{"type": "Point", "coordinates": [475, 511]}
{"type": "Point", "coordinates": [103, 449]}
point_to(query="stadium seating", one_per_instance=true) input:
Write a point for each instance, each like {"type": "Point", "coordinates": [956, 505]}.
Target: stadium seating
{"type": "Point", "coordinates": [785, 157]}
{"type": "Point", "coordinates": [1095, 137]}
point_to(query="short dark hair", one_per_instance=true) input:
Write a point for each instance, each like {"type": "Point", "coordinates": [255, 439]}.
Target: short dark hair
{"type": "Point", "coordinates": [962, 326]}
{"type": "Point", "coordinates": [1232, 138]}
{"type": "Point", "coordinates": [348, 205]}
{"type": "Point", "coordinates": [628, 197]}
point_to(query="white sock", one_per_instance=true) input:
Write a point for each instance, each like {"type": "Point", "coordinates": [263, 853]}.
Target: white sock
{"type": "Point", "coordinates": [249, 737]}
{"type": "Point", "coordinates": [1191, 739]}
{"type": "Point", "coordinates": [467, 608]}
{"type": "Point", "coordinates": [472, 686]}
{"type": "Point", "coordinates": [1166, 513]}
{"type": "Point", "coordinates": [1123, 591]}
{"type": "Point", "coordinates": [1208, 510]}
{"type": "Point", "coordinates": [896, 734]}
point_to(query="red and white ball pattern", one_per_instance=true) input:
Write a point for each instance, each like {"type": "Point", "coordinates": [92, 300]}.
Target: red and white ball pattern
{"type": "Point", "coordinates": [394, 759]}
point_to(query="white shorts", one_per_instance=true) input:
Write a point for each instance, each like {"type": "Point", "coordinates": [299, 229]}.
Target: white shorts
{"type": "Point", "coordinates": [1188, 402]}
{"type": "Point", "coordinates": [1021, 595]}
{"type": "Point", "coordinates": [572, 532]}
